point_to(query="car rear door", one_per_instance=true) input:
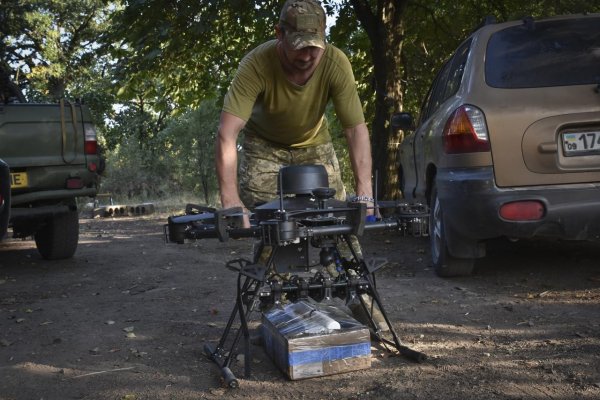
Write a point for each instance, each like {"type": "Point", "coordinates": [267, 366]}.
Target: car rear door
{"type": "Point", "coordinates": [440, 103]}
{"type": "Point", "coordinates": [542, 102]}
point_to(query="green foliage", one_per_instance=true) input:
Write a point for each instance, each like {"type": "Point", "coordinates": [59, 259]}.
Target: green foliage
{"type": "Point", "coordinates": [188, 49]}
{"type": "Point", "coordinates": [50, 44]}
{"type": "Point", "coordinates": [188, 141]}
{"type": "Point", "coordinates": [146, 68]}
{"type": "Point", "coordinates": [348, 36]}
{"type": "Point", "coordinates": [129, 176]}
{"type": "Point", "coordinates": [174, 159]}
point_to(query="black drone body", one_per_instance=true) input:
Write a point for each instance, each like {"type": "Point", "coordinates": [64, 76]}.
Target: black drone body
{"type": "Point", "coordinates": [306, 248]}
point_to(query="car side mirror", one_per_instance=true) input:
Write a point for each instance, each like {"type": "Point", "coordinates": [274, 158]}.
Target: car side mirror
{"type": "Point", "coordinates": [403, 121]}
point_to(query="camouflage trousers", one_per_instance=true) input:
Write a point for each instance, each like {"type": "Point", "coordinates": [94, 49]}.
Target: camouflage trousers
{"type": "Point", "coordinates": [258, 172]}
{"type": "Point", "coordinates": [259, 168]}
{"type": "Point", "coordinates": [261, 160]}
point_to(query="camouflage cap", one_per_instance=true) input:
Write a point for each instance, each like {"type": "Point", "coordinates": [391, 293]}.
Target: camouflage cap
{"type": "Point", "coordinates": [304, 23]}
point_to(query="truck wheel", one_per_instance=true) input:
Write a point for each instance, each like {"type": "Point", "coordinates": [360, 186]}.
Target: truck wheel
{"type": "Point", "coordinates": [58, 238]}
{"type": "Point", "coordinates": [444, 263]}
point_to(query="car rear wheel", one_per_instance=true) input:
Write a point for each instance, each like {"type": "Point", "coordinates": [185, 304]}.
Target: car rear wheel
{"type": "Point", "coordinates": [58, 238]}
{"type": "Point", "coordinates": [444, 263]}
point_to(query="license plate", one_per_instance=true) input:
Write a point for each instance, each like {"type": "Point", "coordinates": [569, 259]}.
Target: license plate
{"type": "Point", "coordinates": [18, 180]}
{"type": "Point", "coordinates": [581, 143]}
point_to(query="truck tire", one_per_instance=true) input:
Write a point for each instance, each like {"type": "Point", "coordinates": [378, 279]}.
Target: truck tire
{"type": "Point", "coordinates": [444, 264]}
{"type": "Point", "coordinates": [58, 238]}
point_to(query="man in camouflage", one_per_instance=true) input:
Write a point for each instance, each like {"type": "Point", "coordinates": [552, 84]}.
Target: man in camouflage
{"type": "Point", "coordinates": [277, 99]}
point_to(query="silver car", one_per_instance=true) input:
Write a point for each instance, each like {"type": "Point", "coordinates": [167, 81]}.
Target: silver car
{"type": "Point", "coordinates": [508, 139]}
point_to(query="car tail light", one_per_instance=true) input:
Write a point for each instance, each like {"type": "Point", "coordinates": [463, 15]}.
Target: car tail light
{"type": "Point", "coordinates": [529, 210]}
{"type": "Point", "coordinates": [466, 131]}
{"type": "Point", "coordinates": [91, 141]}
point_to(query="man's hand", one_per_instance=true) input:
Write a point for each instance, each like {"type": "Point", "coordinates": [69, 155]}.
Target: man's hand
{"type": "Point", "coordinates": [245, 214]}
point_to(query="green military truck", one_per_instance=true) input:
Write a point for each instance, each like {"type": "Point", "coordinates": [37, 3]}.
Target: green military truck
{"type": "Point", "coordinates": [53, 156]}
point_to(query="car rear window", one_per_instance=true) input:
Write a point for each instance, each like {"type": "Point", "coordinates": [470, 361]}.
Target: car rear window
{"type": "Point", "coordinates": [542, 54]}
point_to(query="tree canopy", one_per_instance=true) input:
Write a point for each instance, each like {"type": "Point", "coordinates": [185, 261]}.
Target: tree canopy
{"type": "Point", "coordinates": [154, 71]}
{"type": "Point", "coordinates": [49, 45]}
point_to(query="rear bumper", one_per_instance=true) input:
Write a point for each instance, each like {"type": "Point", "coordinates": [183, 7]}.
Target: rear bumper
{"type": "Point", "coordinates": [52, 195]}
{"type": "Point", "coordinates": [44, 211]}
{"type": "Point", "coordinates": [471, 200]}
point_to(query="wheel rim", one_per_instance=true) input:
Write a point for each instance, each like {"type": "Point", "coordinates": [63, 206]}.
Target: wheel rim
{"type": "Point", "coordinates": [436, 231]}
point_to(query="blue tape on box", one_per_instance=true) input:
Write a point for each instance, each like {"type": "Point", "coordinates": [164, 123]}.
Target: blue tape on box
{"type": "Point", "coordinates": [329, 353]}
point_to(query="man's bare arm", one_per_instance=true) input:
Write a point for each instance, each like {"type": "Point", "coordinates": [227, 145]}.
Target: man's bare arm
{"type": "Point", "coordinates": [226, 159]}
{"type": "Point", "coordinates": [360, 158]}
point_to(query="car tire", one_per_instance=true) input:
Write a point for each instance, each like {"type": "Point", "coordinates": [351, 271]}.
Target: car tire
{"type": "Point", "coordinates": [444, 264]}
{"type": "Point", "coordinates": [59, 236]}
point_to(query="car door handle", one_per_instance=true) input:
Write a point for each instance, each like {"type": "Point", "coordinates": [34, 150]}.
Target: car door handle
{"type": "Point", "coordinates": [548, 147]}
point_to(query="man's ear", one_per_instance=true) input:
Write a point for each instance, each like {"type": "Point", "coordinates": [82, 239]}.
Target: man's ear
{"type": "Point", "coordinates": [279, 32]}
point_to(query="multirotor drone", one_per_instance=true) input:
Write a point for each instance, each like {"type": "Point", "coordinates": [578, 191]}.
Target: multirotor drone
{"type": "Point", "coordinates": [306, 248]}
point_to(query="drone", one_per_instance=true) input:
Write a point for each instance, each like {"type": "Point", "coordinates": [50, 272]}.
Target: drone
{"type": "Point", "coordinates": [306, 248]}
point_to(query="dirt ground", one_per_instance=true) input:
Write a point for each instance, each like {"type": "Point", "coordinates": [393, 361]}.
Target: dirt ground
{"type": "Point", "coordinates": [128, 316]}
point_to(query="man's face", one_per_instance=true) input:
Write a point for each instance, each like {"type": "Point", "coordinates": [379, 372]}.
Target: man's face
{"type": "Point", "coordinates": [303, 59]}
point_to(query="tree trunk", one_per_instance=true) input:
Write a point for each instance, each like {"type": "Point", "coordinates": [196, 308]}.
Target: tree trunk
{"type": "Point", "coordinates": [8, 89]}
{"type": "Point", "coordinates": [385, 29]}
{"type": "Point", "coordinates": [205, 189]}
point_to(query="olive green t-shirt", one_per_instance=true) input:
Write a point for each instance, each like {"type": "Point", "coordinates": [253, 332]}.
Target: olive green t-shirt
{"type": "Point", "coordinates": [287, 114]}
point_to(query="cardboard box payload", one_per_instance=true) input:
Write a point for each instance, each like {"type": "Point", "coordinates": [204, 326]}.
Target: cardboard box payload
{"type": "Point", "coordinates": [307, 339]}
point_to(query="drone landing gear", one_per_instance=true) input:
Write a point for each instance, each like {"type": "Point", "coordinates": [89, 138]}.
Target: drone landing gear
{"type": "Point", "coordinates": [260, 286]}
